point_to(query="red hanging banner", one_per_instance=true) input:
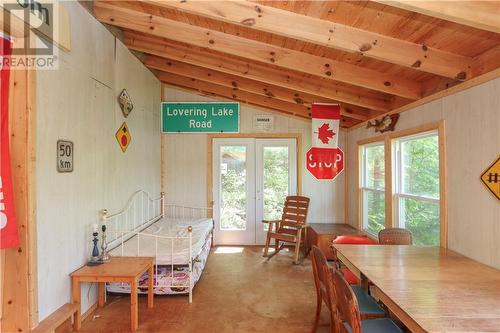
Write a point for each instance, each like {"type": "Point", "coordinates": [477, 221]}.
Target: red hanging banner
{"type": "Point", "coordinates": [8, 227]}
{"type": "Point", "coordinates": [325, 160]}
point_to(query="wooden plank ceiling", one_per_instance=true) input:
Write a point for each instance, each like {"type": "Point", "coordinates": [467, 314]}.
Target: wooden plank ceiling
{"type": "Point", "coordinates": [372, 57]}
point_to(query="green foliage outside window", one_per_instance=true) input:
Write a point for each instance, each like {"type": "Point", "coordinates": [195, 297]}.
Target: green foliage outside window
{"type": "Point", "coordinates": [421, 177]}
{"type": "Point", "coordinates": [375, 202]}
{"type": "Point", "coordinates": [374, 178]}
{"type": "Point", "coordinates": [276, 176]}
{"type": "Point", "coordinates": [233, 188]}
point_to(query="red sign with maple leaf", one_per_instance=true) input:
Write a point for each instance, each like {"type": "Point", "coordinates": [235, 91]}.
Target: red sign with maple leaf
{"type": "Point", "coordinates": [325, 160]}
{"type": "Point", "coordinates": [325, 133]}
{"type": "Point", "coordinates": [8, 226]}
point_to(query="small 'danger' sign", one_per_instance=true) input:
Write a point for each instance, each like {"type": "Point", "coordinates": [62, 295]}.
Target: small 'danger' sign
{"type": "Point", "coordinates": [263, 123]}
{"type": "Point", "coordinates": [64, 156]}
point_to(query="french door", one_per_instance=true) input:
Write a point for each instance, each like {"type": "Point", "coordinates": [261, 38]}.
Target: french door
{"type": "Point", "coordinates": [251, 178]}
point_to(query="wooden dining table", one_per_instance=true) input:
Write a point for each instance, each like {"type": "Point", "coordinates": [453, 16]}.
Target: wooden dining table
{"type": "Point", "coordinates": [430, 289]}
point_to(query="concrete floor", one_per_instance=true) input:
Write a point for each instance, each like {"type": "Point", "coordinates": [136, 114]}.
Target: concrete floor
{"type": "Point", "coordinates": [238, 292]}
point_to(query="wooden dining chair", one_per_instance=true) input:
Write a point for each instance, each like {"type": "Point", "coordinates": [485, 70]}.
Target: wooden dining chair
{"type": "Point", "coordinates": [323, 280]}
{"type": "Point", "coordinates": [348, 310]}
{"type": "Point", "coordinates": [395, 236]}
{"type": "Point", "coordinates": [291, 228]}
{"type": "Point", "coordinates": [324, 287]}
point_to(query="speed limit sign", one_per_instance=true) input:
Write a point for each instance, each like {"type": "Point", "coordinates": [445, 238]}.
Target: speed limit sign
{"type": "Point", "coordinates": [64, 156]}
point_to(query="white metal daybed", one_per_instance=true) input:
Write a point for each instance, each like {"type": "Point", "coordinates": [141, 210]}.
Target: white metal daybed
{"type": "Point", "coordinates": [178, 237]}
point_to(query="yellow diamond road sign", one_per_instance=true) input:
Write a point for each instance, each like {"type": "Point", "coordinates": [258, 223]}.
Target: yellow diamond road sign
{"type": "Point", "coordinates": [491, 178]}
{"type": "Point", "coordinates": [123, 137]}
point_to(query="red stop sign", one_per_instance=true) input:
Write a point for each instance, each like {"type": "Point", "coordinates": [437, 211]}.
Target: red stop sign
{"type": "Point", "coordinates": [325, 163]}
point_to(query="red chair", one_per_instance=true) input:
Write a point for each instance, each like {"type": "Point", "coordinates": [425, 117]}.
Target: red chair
{"type": "Point", "coordinates": [350, 239]}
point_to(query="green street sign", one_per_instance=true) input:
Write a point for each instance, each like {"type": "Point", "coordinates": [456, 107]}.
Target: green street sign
{"type": "Point", "coordinates": [194, 117]}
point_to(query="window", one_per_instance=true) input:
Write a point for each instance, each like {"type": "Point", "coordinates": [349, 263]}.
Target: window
{"type": "Point", "coordinates": [416, 186]}
{"type": "Point", "coordinates": [373, 187]}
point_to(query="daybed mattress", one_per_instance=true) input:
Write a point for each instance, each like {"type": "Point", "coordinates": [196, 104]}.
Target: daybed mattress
{"type": "Point", "coordinates": [164, 280]}
{"type": "Point", "coordinates": [170, 227]}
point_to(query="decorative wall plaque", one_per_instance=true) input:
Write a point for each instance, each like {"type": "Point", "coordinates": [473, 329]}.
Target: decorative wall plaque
{"type": "Point", "coordinates": [125, 103]}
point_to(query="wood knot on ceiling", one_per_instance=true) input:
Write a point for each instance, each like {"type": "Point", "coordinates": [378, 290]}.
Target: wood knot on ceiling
{"type": "Point", "coordinates": [365, 47]}
{"type": "Point", "coordinates": [248, 22]}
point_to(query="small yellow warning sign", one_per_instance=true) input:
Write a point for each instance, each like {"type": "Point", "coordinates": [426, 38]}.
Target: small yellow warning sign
{"type": "Point", "coordinates": [123, 137]}
{"type": "Point", "coordinates": [491, 178]}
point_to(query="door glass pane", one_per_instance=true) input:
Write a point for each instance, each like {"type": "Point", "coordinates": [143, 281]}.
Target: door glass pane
{"type": "Point", "coordinates": [374, 211]}
{"type": "Point", "coordinates": [422, 219]}
{"type": "Point", "coordinates": [233, 188]}
{"type": "Point", "coordinates": [276, 179]}
{"type": "Point", "coordinates": [421, 166]}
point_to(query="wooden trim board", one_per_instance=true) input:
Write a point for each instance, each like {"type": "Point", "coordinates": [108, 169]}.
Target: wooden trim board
{"type": "Point", "coordinates": [20, 296]}
{"type": "Point", "coordinates": [389, 190]}
{"type": "Point", "coordinates": [162, 145]}
{"type": "Point", "coordinates": [346, 178]}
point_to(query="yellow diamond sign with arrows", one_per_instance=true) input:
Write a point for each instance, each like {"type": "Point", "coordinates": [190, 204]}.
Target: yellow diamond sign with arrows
{"type": "Point", "coordinates": [491, 178]}
{"type": "Point", "coordinates": [123, 137]}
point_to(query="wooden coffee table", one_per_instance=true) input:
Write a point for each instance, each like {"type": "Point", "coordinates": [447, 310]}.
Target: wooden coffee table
{"type": "Point", "coordinates": [119, 269]}
{"type": "Point", "coordinates": [322, 234]}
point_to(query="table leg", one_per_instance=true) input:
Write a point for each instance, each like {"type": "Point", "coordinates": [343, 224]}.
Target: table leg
{"type": "Point", "coordinates": [77, 323]}
{"type": "Point", "coordinates": [102, 294]}
{"type": "Point", "coordinates": [150, 286]}
{"type": "Point", "coordinates": [365, 283]}
{"type": "Point", "coordinates": [134, 315]}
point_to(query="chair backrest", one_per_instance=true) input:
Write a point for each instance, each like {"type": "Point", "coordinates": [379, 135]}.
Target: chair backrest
{"type": "Point", "coordinates": [295, 210]}
{"type": "Point", "coordinates": [346, 302]}
{"type": "Point", "coordinates": [395, 236]}
{"type": "Point", "coordinates": [320, 271]}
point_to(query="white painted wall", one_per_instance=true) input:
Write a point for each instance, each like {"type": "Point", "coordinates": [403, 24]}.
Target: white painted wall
{"type": "Point", "coordinates": [78, 102]}
{"type": "Point", "coordinates": [472, 121]}
{"type": "Point", "coordinates": [185, 166]}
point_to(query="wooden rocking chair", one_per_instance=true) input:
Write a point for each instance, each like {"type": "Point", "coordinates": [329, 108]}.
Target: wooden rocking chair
{"type": "Point", "coordinates": [290, 228]}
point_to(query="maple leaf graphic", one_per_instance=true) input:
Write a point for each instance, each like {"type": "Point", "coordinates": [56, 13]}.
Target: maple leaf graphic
{"type": "Point", "coordinates": [325, 133]}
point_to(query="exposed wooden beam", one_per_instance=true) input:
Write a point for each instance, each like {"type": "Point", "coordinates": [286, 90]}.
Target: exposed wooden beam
{"type": "Point", "coordinates": [487, 61]}
{"type": "Point", "coordinates": [259, 72]}
{"type": "Point", "coordinates": [329, 34]}
{"type": "Point", "coordinates": [289, 109]}
{"type": "Point", "coordinates": [238, 83]}
{"type": "Point", "coordinates": [267, 102]}
{"type": "Point", "coordinates": [484, 15]}
{"type": "Point", "coordinates": [136, 17]}
{"type": "Point", "coordinates": [492, 75]}
{"type": "Point", "coordinates": [218, 93]}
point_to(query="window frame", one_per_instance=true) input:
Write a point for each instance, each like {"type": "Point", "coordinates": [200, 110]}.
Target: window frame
{"type": "Point", "coordinates": [391, 202]}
